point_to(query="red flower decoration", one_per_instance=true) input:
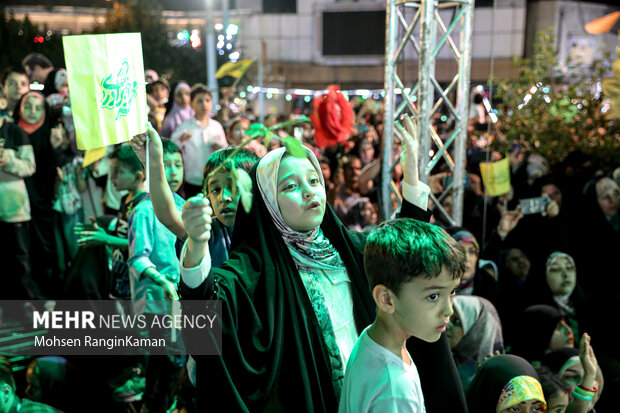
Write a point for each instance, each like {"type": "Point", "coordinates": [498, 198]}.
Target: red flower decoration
{"type": "Point", "coordinates": [332, 117]}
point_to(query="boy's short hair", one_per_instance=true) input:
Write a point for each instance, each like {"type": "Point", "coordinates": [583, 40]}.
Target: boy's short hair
{"type": "Point", "coordinates": [125, 155]}
{"type": "Point", "coordinates": [198, 89]}
{"type": "Point", "coordinates": [244, 159]}
{"type": "Point", "coordinates": [14, 69]}
{"type": "Point", "coordinates": [401, 249]}
{"type": "Point", "coordinates": [170, 147]}
{"type": "Point", "coordinates": [34, 59]}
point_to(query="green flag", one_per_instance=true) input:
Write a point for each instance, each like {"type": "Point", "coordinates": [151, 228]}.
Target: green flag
{"type": "Point", "coordinates": [106, 82]}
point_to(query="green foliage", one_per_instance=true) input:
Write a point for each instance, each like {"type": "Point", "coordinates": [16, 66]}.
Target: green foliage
{"type": "Point", "coordinates": [553, 110]}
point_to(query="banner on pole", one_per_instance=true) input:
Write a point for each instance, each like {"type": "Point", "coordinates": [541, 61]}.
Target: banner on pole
{"type": "Point", "coordinates": [236, 70]}
{"type": "Point", "coordinates": [106, 78]}
{"type": "Point", "coordinates": [496, 177]}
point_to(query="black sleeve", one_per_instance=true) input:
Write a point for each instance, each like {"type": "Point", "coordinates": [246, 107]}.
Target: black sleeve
{"type": "Point", "coordinates": [408, 210]}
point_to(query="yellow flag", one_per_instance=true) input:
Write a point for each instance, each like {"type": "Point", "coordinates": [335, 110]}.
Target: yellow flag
{"type": "Point", "coordinates": [235, 70]}
{"type": "Point", "coordinates": [496, 177]}
{"type": "Point", "coordinates": [93, 155]}
{"type": "Point", "coordinates": [106, 81]}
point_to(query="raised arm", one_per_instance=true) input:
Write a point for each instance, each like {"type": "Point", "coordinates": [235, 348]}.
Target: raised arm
{"type": "Point", "coordinates": [195, 256]}
{"type": "Point", "coordinates": [161, 195]}
{"type": "Point", "coordinates": [415, 192]}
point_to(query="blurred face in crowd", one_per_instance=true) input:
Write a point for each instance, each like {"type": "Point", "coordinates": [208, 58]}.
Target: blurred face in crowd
{"type": "Point", "coordinates": [33, 110]}
{"type": "Point", "coordinates": [369, 214]}
{"type": "Point", "coordinates": [160, 92]}
{"type": "Point", "coordinates": [352, 173]}
{"type": "Point", "coordinates": [562, 337]}
{"type": "Point", "coordinates": [367, 153]}
{"type": "Point", "coordinates": [518, 264]}
{"type": "Point", "coordinates": [202, 104]}
{"type": "Point", "coordinates": [553, 192]}
{"type": "Point", "coordinates": [15, 86]}
{"type": "Point", "coordinates": [173, 166]}
{"type": "Point", "coordinates": [326, 171]}
{"type": "Point", "coordinates": [301, 196]}
{"type": "Point", "coordinates": [37, 73]}
{"type": "Point", "coordinates": [236, 132]}
{"type": "Point", "coordinates": [454, 332]}
{"type": "Point", "coordinates": [182, 97]}
{"type": "Point", "coordinates": [561, 276]}
{"type": "Point", "coordinates": [471, 263]}
{"type": "Point", "coordinates": [558, 402]}
{"type": "Point", "coordinates": [608, 196]}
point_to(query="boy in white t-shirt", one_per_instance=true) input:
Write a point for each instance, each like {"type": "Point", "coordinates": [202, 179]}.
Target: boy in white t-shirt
{"type": "Point", "coordinates": [413, 269]}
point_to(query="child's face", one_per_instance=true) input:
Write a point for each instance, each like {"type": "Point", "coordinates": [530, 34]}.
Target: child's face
{"type": "Point", "coordinates": [202, 104]}
{"type": "Point", "coordinates": [301, 197]}
{"type": "Point", "coordinates": [561, 277]}
{"type": "Point", "coordinates": [182, 97]}
{"type": "Point", "coordinates": [173, 165]}
{"type": "Point", "coordinates": [558, 402]}
{"type": "Point", "coordinates": [423, 306]}
{"type": "Point", "coordinates": [16, 85]}
{"type": "Point", "coordinates": [562, 337]}
{"type": "Point", "coordinates": [33, 110]}
{"type": "Point", "coordinates": [220, 195]}
{"type": "Point", "coordinates": [123, 178]}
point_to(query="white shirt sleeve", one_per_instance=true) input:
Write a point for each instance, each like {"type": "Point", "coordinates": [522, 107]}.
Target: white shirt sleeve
{"type": "Point", "coordinates": [193, 277]}
{"type": "Point", "coordinates": [416, 195]}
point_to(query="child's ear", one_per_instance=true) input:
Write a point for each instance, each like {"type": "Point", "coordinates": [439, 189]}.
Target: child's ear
{"type": "Point", "coordinates": [140, 176]}
{"type": "Point", "coordinates": [383, 298]}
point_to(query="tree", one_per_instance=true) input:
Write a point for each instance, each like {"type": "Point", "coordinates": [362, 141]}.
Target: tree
{"type": "Point", "coordinates": [145, 17]}
{"type": "Point", "coordinates": [17, 39]}
{"type": "Point", "coordinates": [554, 111]}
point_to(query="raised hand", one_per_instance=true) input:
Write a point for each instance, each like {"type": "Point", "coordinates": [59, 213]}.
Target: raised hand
{"type": "Point", "coordinates": [588, 360]}
{"type": "Point", "coordinates": [197, 219]}
{"type": "Point", "coordinates": [411, 146]}
{"type": "Point", "coordinates": [139, 141]}
{"type": "Point", "coordinates": [509, 221]}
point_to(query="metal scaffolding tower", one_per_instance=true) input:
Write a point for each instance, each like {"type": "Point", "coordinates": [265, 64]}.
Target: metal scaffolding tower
{"type": "Point", "coordinates": [427, 92]}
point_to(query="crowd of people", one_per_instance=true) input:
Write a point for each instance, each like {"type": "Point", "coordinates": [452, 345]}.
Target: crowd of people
{"type": "Point", "coordinates": [319, 289]}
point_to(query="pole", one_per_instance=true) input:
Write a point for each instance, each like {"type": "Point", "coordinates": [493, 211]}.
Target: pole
{"type": "Point", "coordinates": [211, 56]}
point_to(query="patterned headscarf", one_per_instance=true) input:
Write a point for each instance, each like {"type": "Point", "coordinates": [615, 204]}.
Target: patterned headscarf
{"type": "Point", "coordinates": [554, 256]}
{"type": "Point", "coordinates": [520, 389]}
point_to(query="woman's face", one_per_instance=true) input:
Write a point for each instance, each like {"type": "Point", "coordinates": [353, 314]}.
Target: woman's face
{"type": "Point", "coordinates": [561, 277]}
{"type": "Point", "coordinates": [301, 196]}
{"type": "Point", "coordinates": [518, 264]}
{"type": "Point", "coordinates": [33, 110]}
{"type": "Point", "coordinates": [182, 97]}
{"type": "Point", "coordinates": [326, 171]}
{"type": "Point", "coordinates": [454, 330]}
{"type": "Point", "coordinates": [367, 153]}
{"type": "Point", "coordinates": [562, 337]}
{"type": "Point", "coordinates": [471, 263]}
{"type": "Point", "coordinates": [553, 192]}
